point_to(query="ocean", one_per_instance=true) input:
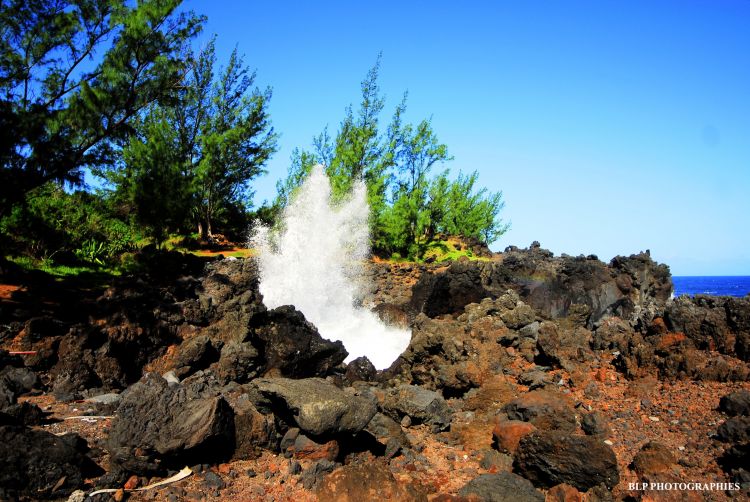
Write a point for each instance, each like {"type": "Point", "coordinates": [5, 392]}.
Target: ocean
{"type": "Point", "coordinates": [712, 285]}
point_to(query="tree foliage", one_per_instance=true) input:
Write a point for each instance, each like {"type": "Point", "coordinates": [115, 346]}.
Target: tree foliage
{"type": "Point", "coordinates": [409, 205]}
{"type": "Point", "coordinates": [191, 162]}
{"type": "Point", "coordinates": [73, 76]}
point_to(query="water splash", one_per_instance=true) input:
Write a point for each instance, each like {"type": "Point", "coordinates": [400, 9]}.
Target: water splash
{"type": "Point", "coordinates": [316, 264]}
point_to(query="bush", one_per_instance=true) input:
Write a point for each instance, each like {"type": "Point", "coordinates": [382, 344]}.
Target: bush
{"type": "Point", "coordinates": [52, 224]}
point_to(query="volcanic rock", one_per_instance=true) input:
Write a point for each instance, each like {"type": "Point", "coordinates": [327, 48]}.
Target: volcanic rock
{"type": "Point", "coordinates": [548, 458]}
{"type": "Point", "coordinates": [502, 487]}
{"type": "Point", "coordinates": [304, 448]}
{"type": "Point", "coordinates": [450, 291]}
{"type": "Point", "coordinates": [387, 431]}
{"type": "Point", "coordinates": [652, 460]}
{"type": "Point", "coordinates": [713, 323]}
{"type": "Point", "coordinates": [595, 423]}
{"type": "Point", "coordinates": [547, 410]}
{"type": "Point", "coordinates": [736, 403]}
{"type": "Point", "coordinates": [254, 431]}
{"type": "Point", "coordinates": [360, 369]}
{"type": "Point", "coordinates": [422, 405]}
{"type": "Point", "coordinates": [563, 493]}
{"type": "Point", "coordinates": [193, 355]}
{"type": "Point", "coordinates": [508, 433]}
{"type": "Point", "coordinates": [371, 481]}
{"type": "Point", "coordinates": [37, 464]}
{"type": "Point", "coordinates": [734, 430]}
{"type": "Point", "coordinates": [19, 380]}
{"type": "Point", "coordinates": [563, 347]}
{"type": "Point", "coordinates": [293, 346]}
{"type": "Point", "coordinates": [314, 475]}
{"type": "Point", "coordinates": [238, 362]}
{"type": "Point", "coordinates": [161, 425]}
{"type": "Point", "coordinates": [23, 413]}
{"type": "Point", "coordinates": [316, 406]}
{"type": "Point", "coordinates": [552, 286]}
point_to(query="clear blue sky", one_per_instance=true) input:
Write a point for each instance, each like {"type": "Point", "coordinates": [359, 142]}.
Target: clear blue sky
{"type": "Point", "coordinates": [610, 127]}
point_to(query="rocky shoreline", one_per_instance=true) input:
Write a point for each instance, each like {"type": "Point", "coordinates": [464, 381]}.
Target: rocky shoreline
{"type": "Point", "coordinates": [528, 376]}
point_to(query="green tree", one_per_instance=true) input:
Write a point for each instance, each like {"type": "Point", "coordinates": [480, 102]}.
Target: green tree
{"type": "Point", "coordinates": [418, 151]}
{"type": "Point", "coordinates": [236, 140]}
{"type": "Point", "coordinates": [74, 75]}
{"type": "Point", "coordinates": [408, 206]}
{"type": "Point", "coordinates": [359, 151]}
{"type": "Point", "coordinates": [198, 153]}
{"type": "Point", "coordinates": [152, 179]}
{"type": "Point", "coordinates": [466, 211]}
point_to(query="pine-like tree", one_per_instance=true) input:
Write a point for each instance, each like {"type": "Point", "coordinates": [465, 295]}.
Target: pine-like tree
{"type": "Point", "coordinates": [74, 75]}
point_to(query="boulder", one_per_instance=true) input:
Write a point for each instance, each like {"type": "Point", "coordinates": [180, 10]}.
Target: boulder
{"type": "Point", "coordinates": [387, 431]}
{"type": "Point", "coordinates": [595, 423]}
{"type": "Point", "coordinates": [360, 369]}
{"type": "Point", "coordinates": [21, 414]}
{"type": "Point", "coordinates": [547, 410]}
{"type": "Point", "coordinates": [718, 323]}
{"type": "Point", "coordinates": [194, 354]}
{"type": "Point", "coordinates": [238, 362]}
{"type": "Point", "coordinates": [254, 431]}
{"type": "Point", "coordinates": [292, 345]}
{"type": "Point", "coordinates": [20, 380]}
{"type": "Point", "coordinates": [370, 481]}
{"type": "Point", "coordinates": [734, 430]}
{"type": "Point", "coordinates": [548, 458]}
{"type": "Point", "coordinates": [157, 425]}
{"type": "Point", "coordinates": [652, 461]}
{"type": "Point", "coordinates": [501, 487]}
{"type": "Point", "coordinates": [35, 464]}
{"type": "Point", "coordinates": [736, 403]}
{"type": "Point", "coordinates": [317, 406]}
{"type": "Point", "coordinates": [420, 404]}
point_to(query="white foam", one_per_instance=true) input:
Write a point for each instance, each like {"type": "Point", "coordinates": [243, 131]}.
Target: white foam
{"type": "Point", "coordinates": [315, 262]}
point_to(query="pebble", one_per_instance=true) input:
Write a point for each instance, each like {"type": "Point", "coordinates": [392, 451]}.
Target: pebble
{"type": "Point", "coordinates": [608, 442]}
{"type": "Point", "coordinates": [654, 419]}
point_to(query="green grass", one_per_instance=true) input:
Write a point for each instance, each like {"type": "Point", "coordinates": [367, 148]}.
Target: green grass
{"type": "Point", "coordinates": [61, 271]}
{"type": "Point", "coordinates": [443, 250]}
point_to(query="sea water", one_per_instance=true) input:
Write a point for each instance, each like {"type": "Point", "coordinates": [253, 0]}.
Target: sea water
{"type": "Point", "coordinates": [711, 285]}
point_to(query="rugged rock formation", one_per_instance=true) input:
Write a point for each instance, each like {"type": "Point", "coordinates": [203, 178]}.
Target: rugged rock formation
{"type": "Point", "coordinates": [553, 457]}
{"type": "Point", "coordinates": [512, 353]}
{"type": "Point", "coordinates": [316, 406]}
{"type": "Point", "coordinates": [158, 425]}
{"type": "Point", "coordinates": [552, 286]}
{"type": "Point", "coordinates": [38, 464]}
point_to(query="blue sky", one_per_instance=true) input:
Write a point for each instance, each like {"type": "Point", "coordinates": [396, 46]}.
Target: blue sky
{"type": "Point", "coordinates": [610, 127]}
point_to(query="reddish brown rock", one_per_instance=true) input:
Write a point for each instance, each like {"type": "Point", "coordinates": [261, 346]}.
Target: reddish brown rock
{"type": "Point", "coordinates": [372, 481]}
{"type": "Point", "coordinates": [508, 433]}
{"type": "Point", "coordinates": [563, 493]}
{"type": "Point", "coordinates": [547, 410]}
{"type": "Point", "coordinates": [653, 460]}
{"type": "Point", "coordinates": [305, 448]}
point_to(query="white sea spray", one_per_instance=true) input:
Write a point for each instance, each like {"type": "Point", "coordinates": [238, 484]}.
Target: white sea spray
{"type": "Point", "coordinates": [316, 263]}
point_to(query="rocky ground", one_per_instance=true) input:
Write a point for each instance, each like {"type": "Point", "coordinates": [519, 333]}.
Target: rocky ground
{"type": "Point", "coordinates": [528, 377]}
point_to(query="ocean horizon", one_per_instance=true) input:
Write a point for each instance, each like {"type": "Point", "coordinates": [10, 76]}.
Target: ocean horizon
{"type": "Point", "coordinates": [714, 285]}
